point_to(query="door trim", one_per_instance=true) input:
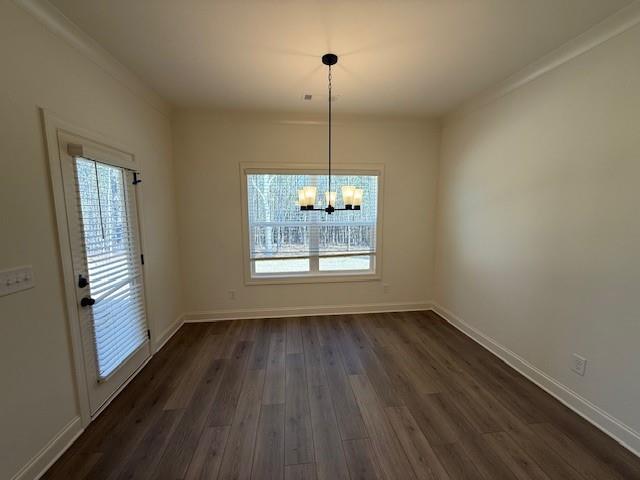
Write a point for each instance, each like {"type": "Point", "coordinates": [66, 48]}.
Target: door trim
{"type": "Point", "coordinates": [53, 125]}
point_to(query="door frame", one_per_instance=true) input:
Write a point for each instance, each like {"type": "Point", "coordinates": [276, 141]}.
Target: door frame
{"type": "Point", "coordinates": [53, 127]}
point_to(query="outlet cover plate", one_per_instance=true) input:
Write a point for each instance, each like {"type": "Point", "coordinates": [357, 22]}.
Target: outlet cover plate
{"type": "Point", "coordinates": [579, 365]}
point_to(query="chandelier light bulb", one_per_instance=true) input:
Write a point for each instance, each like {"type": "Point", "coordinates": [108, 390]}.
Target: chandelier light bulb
{"type": "Point", "coordinates": [347, 195]}
{"type": "Point", "coordinates": [330, 198]}
{"type": "Point", "coordinates": [358, 193]}
{"type": "Point", "coordinates": [310, 196]}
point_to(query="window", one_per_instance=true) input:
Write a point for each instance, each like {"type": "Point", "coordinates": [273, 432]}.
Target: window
{"type": "Point", "coordinates": [285, 242]}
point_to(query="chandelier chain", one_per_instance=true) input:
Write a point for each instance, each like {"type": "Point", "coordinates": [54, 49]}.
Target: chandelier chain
{"type": "Point", "coordinates": [329, 199]}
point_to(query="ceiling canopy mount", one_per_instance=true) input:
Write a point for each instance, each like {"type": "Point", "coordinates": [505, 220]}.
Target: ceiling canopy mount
{"type": "Point", "coordinates": [329, 59]}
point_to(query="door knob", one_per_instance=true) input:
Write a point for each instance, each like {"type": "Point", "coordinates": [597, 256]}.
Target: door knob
{"type": "Point", "coordinates": [87, 301]}
{"type": "Point", "coordinates": [82, 281]}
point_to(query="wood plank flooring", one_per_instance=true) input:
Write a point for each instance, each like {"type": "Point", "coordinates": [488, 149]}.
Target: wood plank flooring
{"type": "Point", "coordinates": [377, 396]}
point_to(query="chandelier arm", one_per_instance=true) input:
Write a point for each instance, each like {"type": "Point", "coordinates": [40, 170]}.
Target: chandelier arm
{"type": "Point", "coordinates": [314, 209]}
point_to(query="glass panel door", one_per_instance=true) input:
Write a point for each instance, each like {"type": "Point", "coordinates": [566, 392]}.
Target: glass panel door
{"type": "Point", "coordinates": [103, 226]}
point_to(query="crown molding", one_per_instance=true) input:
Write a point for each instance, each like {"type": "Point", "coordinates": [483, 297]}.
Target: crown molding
{"type": "Point", "coordinates": [60, 25]}
{"type": "Point", "coordinates": [614, 25]}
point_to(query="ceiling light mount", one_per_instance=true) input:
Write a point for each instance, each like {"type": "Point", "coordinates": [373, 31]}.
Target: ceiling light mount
{"type": "Point", "coordinates": [329, 59]}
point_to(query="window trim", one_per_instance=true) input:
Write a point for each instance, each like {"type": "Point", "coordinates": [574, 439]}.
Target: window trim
{"type": "Point", "coordinates": [319, 169]}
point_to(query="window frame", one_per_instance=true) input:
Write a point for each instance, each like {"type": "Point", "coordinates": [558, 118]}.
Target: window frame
{"type": "Point", "coordinates": [310, 277]}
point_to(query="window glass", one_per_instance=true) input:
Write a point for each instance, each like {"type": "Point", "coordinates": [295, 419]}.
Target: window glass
{"type": "Point", "coordinates": [286, 240]}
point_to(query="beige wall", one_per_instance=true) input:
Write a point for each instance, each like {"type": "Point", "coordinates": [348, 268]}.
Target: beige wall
{"type": "Point", "coordinates": [40, 70]}
{"type": "Point", "coordinates": [538, 225]}
{"type": "Point", "coordinates": [209, 147]}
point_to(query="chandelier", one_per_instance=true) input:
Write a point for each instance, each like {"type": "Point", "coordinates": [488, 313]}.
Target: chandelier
{"type": "Point", "coordinates": [351, 196]}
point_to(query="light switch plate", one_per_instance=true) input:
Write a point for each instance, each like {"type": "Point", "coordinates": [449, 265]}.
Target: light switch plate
{"type": "Point", "coordinates": [15, 280]}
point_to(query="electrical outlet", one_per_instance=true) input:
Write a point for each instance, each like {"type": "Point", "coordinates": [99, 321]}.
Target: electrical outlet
{"type": "Point", "coordinates": [232, 294]}
{"type": "Point", "coordinates": [16, 280]}
{"type": "Point", "coordinates": [385, 288]}
{"type": "Point", "coordinates": [579, 364]}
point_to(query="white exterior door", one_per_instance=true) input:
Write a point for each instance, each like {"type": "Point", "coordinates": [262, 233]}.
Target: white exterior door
{"type": "Point", "coordinates": [104, 238]}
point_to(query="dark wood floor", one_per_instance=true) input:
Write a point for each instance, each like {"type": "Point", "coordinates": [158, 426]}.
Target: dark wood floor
{"type": "Point", "coordinates": [384, 396]}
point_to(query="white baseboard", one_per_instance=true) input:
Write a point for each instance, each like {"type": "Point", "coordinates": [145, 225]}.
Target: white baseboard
{"type": "Point", "coordinates": [623, 434]}
{"type": "Point", "coordinates": [46, 457]}
{"type": "Point", "coordinates": [218, 315]}
{"type": "Point", "coordinates": [169, 332]}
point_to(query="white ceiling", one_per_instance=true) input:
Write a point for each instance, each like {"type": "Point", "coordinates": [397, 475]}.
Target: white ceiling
{"type": "Point", "coordinates": [421, 57]}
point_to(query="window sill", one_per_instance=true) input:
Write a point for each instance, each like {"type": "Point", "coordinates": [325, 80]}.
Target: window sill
{"type": "Point", "coordinates": [288, 279]}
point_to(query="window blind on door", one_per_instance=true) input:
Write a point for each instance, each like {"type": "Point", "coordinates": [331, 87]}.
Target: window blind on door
{"type": "Point", "coordinates": [108, 250]}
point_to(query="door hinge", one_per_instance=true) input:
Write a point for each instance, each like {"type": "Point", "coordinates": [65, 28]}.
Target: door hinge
{"type": "Point", "coordinates": [149, 334]}
{"type": "Point", "coordinates": [142, 259]}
